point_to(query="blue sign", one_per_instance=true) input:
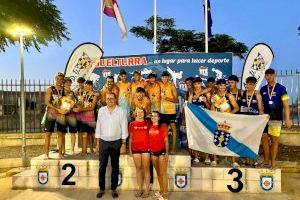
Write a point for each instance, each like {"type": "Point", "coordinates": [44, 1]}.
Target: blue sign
{"type": "Point", "coordinates": [179, 65]}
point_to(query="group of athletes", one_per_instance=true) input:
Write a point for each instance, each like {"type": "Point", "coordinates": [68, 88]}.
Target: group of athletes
{"type": "Point", "coordinates": [151, 108]}
{"type": "Point", "coordinates": [224, 96]}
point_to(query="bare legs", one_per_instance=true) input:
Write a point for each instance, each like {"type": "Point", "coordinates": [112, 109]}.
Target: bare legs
{"type": "Point", "coordinates": [174, 137]}
{"type": "Point", "coordinates": [142, 162]}
{"type": "Point", "coordinates": [47, 144]}
{"type": "Point", "coordinates": [160, 164]}
{"type": "Point", "coordinates": [270, 150]}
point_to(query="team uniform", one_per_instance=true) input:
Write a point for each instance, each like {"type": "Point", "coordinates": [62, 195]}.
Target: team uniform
{"type": "Point", "coordinates": [88, 117]}
{"type": "Point", "coordinates": [157, 135]}
{"type": "Point", "coordinates": [105, 90]}
{"type": "Point", "coordinates": [71, 121]}
{"type": "Point", "coordinates": [136, 84]}
{"type": "Point", "coordinates": [144, 104]}
{"type": "Point", "coordinates": [124, 96]}
{"type": "Point", "coordinates": [167, 109]}
{"type": "Point", "coordinates": [52, 116]}
{"type": "Point", "coordinates": [79, 95]}
{"type": "Point", "coordinates": [249, 104]}
{"type": "Point", "coordinates": [140, 136]}
{"type": "Point", "coordinates": [198, 101]}
{"type": "Point", "coordinates": [237, 96]}
{"type": "Point", "coordinates": [153, 92]}
{"type": "Point", "coordinates": [272, 98]}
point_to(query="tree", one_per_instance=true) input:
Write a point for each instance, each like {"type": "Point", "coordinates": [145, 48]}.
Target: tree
{"type": "Point", "coordinates": [40, 15]}
{"type": "Point", "coordinates": [170, 39]}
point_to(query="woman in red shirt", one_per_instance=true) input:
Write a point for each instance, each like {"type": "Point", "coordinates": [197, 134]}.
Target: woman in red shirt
{"type": "Point", "coordinates": [139, 149]}
{"type": "Point", "coordinates": [159, 149]}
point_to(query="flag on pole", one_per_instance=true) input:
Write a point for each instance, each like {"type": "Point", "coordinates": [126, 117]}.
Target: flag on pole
{"type": "Point", "coordinates": [209, 20]}
{"type": "Point", "coordinates": [111, 9]}
{"type": "Point", "coordinates": [224, 134]}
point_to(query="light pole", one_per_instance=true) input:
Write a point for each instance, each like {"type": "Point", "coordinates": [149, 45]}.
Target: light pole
{"type": "Point", "coordinates": [22, 31]}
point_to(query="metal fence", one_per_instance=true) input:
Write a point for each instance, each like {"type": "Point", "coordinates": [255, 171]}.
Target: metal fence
{"type": "Point", "coordinates": [291, 80]}
{"type": "Point", "coordinates": [10, 112]}
{"type": "Point", "coordinates": [35, 107]}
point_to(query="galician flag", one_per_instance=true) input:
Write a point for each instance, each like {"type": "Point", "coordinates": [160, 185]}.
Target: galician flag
{"type": "Point", "coordinates": [111, 9]}
{"type": "Point", "coordinates": [224, 134]}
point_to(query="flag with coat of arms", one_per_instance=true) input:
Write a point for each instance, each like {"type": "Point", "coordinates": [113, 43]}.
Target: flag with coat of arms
{"type": "Point", "coordinates": [224, 134]}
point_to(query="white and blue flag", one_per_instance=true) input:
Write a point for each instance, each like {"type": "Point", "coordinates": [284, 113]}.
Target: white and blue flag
{"type": "Point", "coordinates": [224, 134]}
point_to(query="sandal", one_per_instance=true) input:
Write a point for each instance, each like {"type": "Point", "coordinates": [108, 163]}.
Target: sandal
{"type": "Point", "coordinates": [145, 195]}
{"type": "Point", "coordinates": [138, 193]}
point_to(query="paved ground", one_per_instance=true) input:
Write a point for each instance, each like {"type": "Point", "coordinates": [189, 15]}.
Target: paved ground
{"type": "Point", "coordinates": [290, 191]}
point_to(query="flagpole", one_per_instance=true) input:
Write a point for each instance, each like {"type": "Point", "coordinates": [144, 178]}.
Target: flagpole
{"type": "Point", "coordinates": [101, 24]}
{"type": "Point", "coordinates": [206, 25]}
{"type": "Point", "coordinates": [155, 29]}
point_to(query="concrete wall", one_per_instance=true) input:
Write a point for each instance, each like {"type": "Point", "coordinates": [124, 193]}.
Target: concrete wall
{"type": "Point", "coordinates": [15, 139]}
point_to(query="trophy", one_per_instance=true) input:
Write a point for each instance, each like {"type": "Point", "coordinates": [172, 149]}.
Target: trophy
{"type": "Point", "coordinates": [67, 103]}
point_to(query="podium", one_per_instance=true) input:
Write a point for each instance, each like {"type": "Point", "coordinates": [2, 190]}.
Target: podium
{"type": "Point", "coordinates": [82, 172]}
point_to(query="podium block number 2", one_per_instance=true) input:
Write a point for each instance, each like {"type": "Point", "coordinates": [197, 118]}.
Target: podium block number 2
{"type": "Point", "coordinates": [67, 181]}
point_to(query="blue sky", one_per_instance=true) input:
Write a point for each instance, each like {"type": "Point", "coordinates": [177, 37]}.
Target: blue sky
{"type": "Point", "coordinates": [250, 22]}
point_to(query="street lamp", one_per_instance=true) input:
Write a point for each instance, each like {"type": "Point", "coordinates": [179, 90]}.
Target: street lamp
{"type": "Point", "coordinates": [22, 31]}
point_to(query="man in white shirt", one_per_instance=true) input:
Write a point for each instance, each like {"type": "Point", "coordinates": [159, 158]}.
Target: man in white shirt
{"type": "Point", "coordinates": [112, 131]}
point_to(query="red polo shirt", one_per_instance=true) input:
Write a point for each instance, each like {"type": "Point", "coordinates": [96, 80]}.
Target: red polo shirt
{"type": "Point", "coordinates": [139, 135]}
{"type": "Point", "coordinates": [157, 136]}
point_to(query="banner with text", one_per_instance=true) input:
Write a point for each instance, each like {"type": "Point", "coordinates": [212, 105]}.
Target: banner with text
{"type": "Point", "coordinates": [179, 65]}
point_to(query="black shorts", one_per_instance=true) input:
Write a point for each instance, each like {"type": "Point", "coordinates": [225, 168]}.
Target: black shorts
{"type": "Point", "coordinates": [71, 128]}
{"type": "Point", "coordinates": [139, 152]}
{"type": "Point", "coordinates": [266, 129]}
{"type": "Point", "coordinates": [79, 125]}
{"type": "Point", "coordinates": [50, 124]}
{"type": "Point", "coordinates": [159, 153]}
{"type": "Point", "coordinates": [85, 128]}
{"type": "Point", "coordinates": [167, 118]}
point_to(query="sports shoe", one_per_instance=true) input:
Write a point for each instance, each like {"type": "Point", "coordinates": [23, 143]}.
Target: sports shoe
{"type": "Point", "coordinates": [100, 194]}
{"type": "Point", "coordinates": [207, 161]}
{"type": "Point", "coordinates": [196, 160]}
{"type": "Point", "coordinates": [213, 163]}
{"type": "Point", "coordinates": [160, 198]}
{"type": "Point", "coordinates": [157, 194]}
{"type": "Point", "coordinates": [114, 194]}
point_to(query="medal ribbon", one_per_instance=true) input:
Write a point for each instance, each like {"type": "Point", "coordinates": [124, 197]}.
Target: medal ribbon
{"type": "Point", "coordinates": [249, 100]}
{"type": "Point", "coordinates": [271, 94]}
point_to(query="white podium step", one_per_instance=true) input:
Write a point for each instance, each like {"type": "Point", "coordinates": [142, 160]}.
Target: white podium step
{"type": "Point", "coordinates": [80, 172]}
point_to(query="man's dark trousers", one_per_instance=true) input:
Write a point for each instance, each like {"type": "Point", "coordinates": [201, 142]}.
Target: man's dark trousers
{"type": "Point", "coordinates": [112, 149]}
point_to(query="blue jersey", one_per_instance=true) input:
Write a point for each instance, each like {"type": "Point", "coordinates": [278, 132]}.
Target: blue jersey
{"type": "Point", "coordinates": [274, 106]}
{"type": "Point", "coordinates": [237, 96]}
{"type": "Point", "coordinates": [253, 107]}
{"type": "Point", "coordinates": [199, 101]}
